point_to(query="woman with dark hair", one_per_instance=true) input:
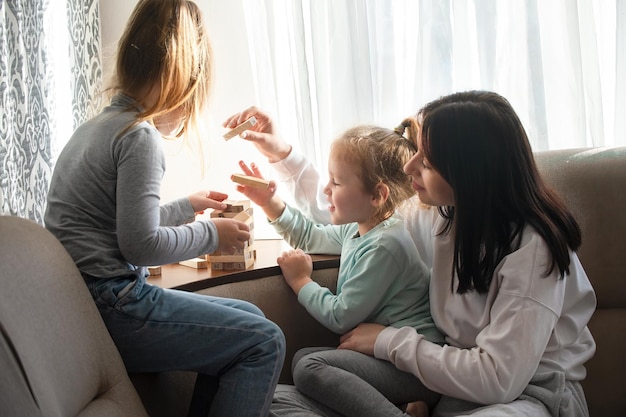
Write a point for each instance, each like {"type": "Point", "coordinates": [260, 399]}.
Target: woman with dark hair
{"type": "Point", "coordinates": [507, 288]}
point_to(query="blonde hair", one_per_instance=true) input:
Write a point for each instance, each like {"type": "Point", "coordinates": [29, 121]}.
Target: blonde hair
{"type": "Point", "coordinates": [165, 45]}
{"type": "Point", "coordinates": [380, 155]}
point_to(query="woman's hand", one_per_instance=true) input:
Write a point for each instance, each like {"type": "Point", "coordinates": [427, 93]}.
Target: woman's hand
{"type": "Point", "coordinates": [264, 135]}
{"type": "Point", "coordinates": [232, 234]}
{"type": "Point", "coordinates": [297, 267]}
{"type": "Point", "coordinates": [362, 338]}
{"type": "Point", "coordinates": [203, 200]}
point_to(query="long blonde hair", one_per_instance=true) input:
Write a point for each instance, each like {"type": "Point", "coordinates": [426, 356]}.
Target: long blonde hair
{"type": "Point", "coordinates": [380, 155]}
{"type": "Point", "coordinates": [165, 46]}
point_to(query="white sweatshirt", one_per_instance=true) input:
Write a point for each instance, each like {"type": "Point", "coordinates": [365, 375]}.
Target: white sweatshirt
{"type": "Point", "coordinates": [496, 342]}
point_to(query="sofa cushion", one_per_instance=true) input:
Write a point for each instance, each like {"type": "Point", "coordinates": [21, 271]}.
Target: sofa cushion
{"type": "Point", "coordinates": [57, 356]}
{"type": "Point", "coordinates": [593, 184]}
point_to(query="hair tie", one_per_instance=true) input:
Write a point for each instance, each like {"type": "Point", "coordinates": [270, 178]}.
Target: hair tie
{"type": "Point", "coordinates": [401, 128]}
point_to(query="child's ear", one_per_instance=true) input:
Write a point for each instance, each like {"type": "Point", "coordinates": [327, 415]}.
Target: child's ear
{"type": "Point", "coordinates": [381, 194]}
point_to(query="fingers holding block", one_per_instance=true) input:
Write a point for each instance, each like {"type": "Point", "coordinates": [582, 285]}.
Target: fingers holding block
{"type": "Point", "coordinates": [237, 130]}
{"type": "Point", "coordinates": [250, 181]}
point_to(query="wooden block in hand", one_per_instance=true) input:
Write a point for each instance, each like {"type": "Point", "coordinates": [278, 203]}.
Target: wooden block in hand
{"type": "Point", "coordinates": [237, 130]}
{"type": "Point", "coordinates": [250, 181]}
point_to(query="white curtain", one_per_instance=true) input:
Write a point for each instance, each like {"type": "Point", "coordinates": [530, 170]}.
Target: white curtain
{"type": "Point", "coordinates": [49, 74]}
{"type": "Point", "coordinates": [322, 66]}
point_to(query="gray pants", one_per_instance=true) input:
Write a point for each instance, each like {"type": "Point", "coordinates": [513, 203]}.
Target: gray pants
{"type": "Point", "coordinates": [374, 387]}
{"type": "Point", "coordinates": [332, 382]}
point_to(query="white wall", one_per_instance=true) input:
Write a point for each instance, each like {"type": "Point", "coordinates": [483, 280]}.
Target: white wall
{"type": "Point", "coordinates": [233, 91]}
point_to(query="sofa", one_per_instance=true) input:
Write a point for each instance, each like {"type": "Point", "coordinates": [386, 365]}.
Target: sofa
{"type": "Point", "coordinates": [57, 358]}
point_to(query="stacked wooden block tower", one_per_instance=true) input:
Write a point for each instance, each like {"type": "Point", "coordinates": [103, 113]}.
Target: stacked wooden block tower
{"type": "Point", "coordinates": [242, 258]}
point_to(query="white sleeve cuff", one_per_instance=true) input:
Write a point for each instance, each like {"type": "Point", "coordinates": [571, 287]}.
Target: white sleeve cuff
{"type": "Point", "coordinates": [290, 166]}
{"type": "Point", "coordinates": [381, 346]}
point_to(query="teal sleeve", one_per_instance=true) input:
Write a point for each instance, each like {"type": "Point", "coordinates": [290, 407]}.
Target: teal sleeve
{"type": "Point", "coordinates": [364, 288]}
{"type": "Point", "coordinates": [302, 233]}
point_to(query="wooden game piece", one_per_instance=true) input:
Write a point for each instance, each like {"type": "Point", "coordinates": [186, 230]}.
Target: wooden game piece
{"type": "Point", "coordinates": [229, 214]}
{"type": "Point", "coordinates": [250, 181]}
{"type": "Point", "coordinates": [243, 216]}
{"type": "Point", "coordinates": [245, 257]}
{"type": "Point", "coordinates": [198, 263]}
{"type": "Point", "coordinates": [237, 130]}
{"type": "Point", "coordinates": [233, 206]}
{"type": "Point", "coordinates": [154, 270]}
{"type": "Point", "coordinates": [223, 263]}
{"type": "Point", "coordinates": [229, 266]}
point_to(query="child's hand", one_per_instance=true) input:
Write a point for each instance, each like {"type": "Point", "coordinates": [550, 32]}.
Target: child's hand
{"type": "Point", "coordinates": [203, 200]}
{"type": "Point", "coordinates": [270, 203]}
{"type": "Point", "coordinates": [297, 267]}
{"type": "Point", "coordinates": [232, 234]}
{"type": "Point", "coordinates": [260, 197]}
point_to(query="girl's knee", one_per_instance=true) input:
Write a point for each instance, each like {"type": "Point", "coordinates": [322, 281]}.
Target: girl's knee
{"type": "Point", "coordinates": [306, 351]}
{"type": "Point", "coordinates": [274, 334]}
{"type": "Point", "coordinates": [251, 308]}
{"type": "Point", "coordinates": [307, 370]}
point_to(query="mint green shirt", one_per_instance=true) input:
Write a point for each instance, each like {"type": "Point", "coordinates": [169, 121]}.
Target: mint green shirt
{"type": "Point", "coordinates": [381, 277]}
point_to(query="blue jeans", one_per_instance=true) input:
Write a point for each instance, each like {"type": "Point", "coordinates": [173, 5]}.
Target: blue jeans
{"type": "Point", "coordinates": [230, 340]}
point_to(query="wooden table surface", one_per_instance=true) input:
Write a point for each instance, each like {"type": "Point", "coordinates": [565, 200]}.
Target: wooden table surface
{"type": "Point", "coordinates": [267, 250]}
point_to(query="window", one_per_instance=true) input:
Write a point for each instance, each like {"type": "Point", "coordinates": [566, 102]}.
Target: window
{"type": "Point", "coordinates": [321, 66]}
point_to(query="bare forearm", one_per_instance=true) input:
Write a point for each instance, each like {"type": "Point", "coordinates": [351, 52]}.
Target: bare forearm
{"type": "Point", "coordinates": [297, 284]}
{"type": "Point", "coordinates": [274, 208]}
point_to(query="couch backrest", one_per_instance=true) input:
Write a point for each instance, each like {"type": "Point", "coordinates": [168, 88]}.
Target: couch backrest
{"type": "Point", "coordinates": [593, 183]}
{"type": "Point", "coordinates": [56, 355]}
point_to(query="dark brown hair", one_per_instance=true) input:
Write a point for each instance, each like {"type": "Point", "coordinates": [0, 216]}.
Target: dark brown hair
{"type": "Point", "coordinates": [476, 141]}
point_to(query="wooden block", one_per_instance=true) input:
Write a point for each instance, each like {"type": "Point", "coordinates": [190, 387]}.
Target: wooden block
{"type": "Point", "coordinates": [244, 257]}
{"type": "Point", "coordinates": [237, 130]}
{"type": "Point", "coordinates": [198, 263]}
{"type": "Point", "coordinates": [250, 181]}
{"type": "Point", "coordinates": [249, 220]}
{"type": "Point", "coordinates": [230, 214]}
{"type": "Point", "coordinates": [217, 266]}
{"type": "Point", "coordinates": [246, 247]}
{"type": "Point", "coordinates": [227, 266]}
{"type": "Point", "coordinates": [154, 270]}
{"type": "Point", "coordinates": [244, 217]}
{"type": "Point", "coordinates": [237, 206]}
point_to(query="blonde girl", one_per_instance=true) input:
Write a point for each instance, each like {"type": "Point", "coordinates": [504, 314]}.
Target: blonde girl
{"type": "Point", "coordinates": [381, 278]}
{"type": "Point", "coordinates": [104, 207]}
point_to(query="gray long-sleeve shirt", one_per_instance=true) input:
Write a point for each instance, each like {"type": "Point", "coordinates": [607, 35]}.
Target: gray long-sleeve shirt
{"type": "Point", "coordinates": [104, 204]}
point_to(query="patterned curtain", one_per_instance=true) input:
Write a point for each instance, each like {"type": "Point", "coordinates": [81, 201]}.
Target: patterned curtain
{"type": "Point", "coordinates": [50, 72]}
